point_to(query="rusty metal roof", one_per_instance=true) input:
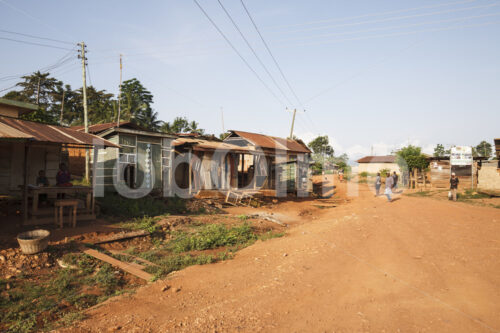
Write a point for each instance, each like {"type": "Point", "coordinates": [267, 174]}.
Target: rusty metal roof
{"type": "Point", "coordinates": [34, 131]}
{"type": "Point", "coordinates": [273, 142]}
{"type": "Point", "coordinates": [97, 128]}
{"type": "Point", "coordinates": [203, 145]}
{"type": "Point", "coordinates": [377, 159]}
{"type": "Point", "coordinates": [8, 132]}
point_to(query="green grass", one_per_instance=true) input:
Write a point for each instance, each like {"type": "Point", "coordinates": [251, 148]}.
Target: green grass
{"type": "Point", "coordinates": [57, 295]}
{"type": "Point", "coordinates": [115, 205]}
{"type": "Point", "coordinates": [143, 223]}
{"type": "Point", "coordinates": [471, 195]}
{"type": "Point", "coordinates": [212, 236]}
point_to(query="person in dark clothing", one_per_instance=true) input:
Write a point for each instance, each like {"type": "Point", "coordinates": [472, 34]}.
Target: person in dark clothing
{"type": "Point", "coordinates": [42, 181]}
{"type": "Point", "coordinates": [395, 177]}
{"type": "Point", "coordinates": [454, 186]}
{"type": "Point", "coordinates": [63, 177]}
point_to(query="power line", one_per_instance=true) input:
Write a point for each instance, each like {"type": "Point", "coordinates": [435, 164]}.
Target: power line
{"type": "Point", "coordinates": [37, 37]}
{"type": "Point", "coordinates": [390, 27]}
{"type": "Point", "coordinates": [253, 51]}
{"type": "Point", "coordinates": [372, 14]}
{"type": "Point", "coordinates": [394, 34]}
{"type": "Point", "coordinates": [237, 52]}
{"type": "Point", "coordinates": [59, 63]}
{"type": "Point", "coordinates": [88, 73]}
{"type": "Point", "coordinates": [32, 43]}
{"type": "Point", "coordinates": [277, 64]}
{"type": "Point", "coordinates": [271, 54]}
{"type": "Point", "coordinates": [395, 18]}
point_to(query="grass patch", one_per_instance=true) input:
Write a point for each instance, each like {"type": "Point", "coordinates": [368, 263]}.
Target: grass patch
{"type": "Point", "coordinates": [471, 195]}
{"type": "Point", "coordinates": [115, 205]}
{"type": "Point", "coordinates": [143, 223]}
{"type": "Point", "coordinates": [212, 236]}
{"type": "Point", "coordinates": [27, 305]}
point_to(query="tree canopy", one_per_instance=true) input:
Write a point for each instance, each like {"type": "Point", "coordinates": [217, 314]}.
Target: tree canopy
{"type": "Point", "coordinates": [484, 149]}
{"type": "Point", "coordinates": [53, 96]}
{"type": "Point", "coordinates": [411, 157]}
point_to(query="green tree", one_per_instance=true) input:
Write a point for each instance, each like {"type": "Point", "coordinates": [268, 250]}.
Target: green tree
{"type": "Point", "coordinates": [181, 125]}
{"type": "Point", "coordinates": [41, 89]}
{"type": "Point", "coordinates": [136, 103]}
{"type": "Point", "coordinates": [439, 150]}
{"type": "Point", "coordinates": [484, 149]}
{"type": "Point", "coordinates": [321, 145]}
{"type": "Point", "coordinates": [411, 157]}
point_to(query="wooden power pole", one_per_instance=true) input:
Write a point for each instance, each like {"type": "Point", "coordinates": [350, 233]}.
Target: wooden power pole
{"type": "Point", "coordinates": [293, 123]}
{"type": "Point", "coordinates": [62, 109]}
{"type": "Point", "coordinates": [85, 111]}
{"type": "Point", "coordinates": [120, 95]}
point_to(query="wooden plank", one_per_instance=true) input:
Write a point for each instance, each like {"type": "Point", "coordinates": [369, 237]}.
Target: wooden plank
{"type": "Point", "coordinates": [139, 259]}
{"type": "Point", "coordinates": [120, 264]}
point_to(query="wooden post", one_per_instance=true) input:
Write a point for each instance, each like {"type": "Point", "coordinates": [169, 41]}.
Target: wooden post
{"type": "Point", "coordinates": [25, 185]}
{"type": "Point", "coordinates": [190, 170]}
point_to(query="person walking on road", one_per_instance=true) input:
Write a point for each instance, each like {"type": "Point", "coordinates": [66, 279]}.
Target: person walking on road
{"type": "Point", "coordinates": [395, 178]}
{"type": "Point", "coordinates": [454, 186]}
{"type": "Point", "coordinates": [378, 183]}
{"type": "Point", "coordinates": [389, 182]}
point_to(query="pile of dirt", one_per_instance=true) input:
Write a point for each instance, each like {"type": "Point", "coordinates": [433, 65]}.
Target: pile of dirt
{"type": "Point", "coordinates": [13, 261]}
{"type": "Point", "coordinates": [209, 206]}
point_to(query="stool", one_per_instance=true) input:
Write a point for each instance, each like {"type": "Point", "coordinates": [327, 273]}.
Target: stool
{"type": "Point", "coordinates": [59, 208]}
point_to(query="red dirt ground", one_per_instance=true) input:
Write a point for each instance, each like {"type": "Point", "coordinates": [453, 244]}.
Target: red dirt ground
{"type": "Point", "coordinates": [413, 265]}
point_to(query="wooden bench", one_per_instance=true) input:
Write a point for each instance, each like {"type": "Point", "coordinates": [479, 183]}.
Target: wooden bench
{"type": "Point", "coordinates": [59, 211]}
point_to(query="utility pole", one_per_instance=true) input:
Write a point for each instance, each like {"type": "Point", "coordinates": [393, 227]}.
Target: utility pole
{"type": "Point", "coordinates": [62, 109]}
{"type": "Point", "coordinates": [38, 92]}
{"type": "Point", "coordinates": [85, 111]}
{"type": "Point", "coordinates": [293, 123]}
{"type": "Point", "coordinates": [120, 95]}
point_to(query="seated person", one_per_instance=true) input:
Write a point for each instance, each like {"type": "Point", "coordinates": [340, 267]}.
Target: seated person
{"type": "Point", "coordinates": [63, 177]}
{"type": "Point", "coordinates": [42, 180]}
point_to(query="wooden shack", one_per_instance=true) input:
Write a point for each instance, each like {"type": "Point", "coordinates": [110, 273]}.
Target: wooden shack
{"type": "Point", "coordinates": [440, 170]}
{"type": "Point", "coordinates": [287, 163]}
{"type": "Point", "coordinates": [142, 161]}
{"type": "Point", "coordinates": [28, 147]}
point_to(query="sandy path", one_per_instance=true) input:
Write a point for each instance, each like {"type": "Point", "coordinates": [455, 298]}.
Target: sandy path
{"type": "Point", "coordinates": [414, 265]}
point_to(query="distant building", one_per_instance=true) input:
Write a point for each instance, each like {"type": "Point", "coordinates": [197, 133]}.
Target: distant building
{"type": "Point", "coordinates": [373, 164]}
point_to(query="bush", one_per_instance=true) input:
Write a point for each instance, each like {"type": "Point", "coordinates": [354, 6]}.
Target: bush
{"type": "Point", "coordinates": [363, 174]}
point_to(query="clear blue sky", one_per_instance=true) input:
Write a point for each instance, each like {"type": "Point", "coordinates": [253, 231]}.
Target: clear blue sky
{"type": "Point", "coordinates": [369, 73]}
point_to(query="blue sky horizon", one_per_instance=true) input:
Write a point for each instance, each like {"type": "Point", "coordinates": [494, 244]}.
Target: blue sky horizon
{"type": "Point", "coordinates": [373, 76]}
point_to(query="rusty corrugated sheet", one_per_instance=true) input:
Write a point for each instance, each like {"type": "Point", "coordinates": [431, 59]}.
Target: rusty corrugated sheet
{"type": "Point", "coordinates": [97, 128]}
{"type": "Point", "coordinates": [272, 142]}
{"type": "Point", "coordinates": [200, 144]}
{"type": "Point", "coordinates": [8, 132]}
{"type": "Point", "coordinates": [50, 133]}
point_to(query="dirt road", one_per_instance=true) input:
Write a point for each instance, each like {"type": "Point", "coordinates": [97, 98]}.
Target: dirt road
{"type": "Point", "coordinates": [413, 265]}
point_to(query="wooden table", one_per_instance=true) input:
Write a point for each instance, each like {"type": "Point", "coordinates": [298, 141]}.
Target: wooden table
{"type": "Point", "coordinates": [35, 192]}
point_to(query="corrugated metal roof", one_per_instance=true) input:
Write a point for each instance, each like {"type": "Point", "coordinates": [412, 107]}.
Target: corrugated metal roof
{"type": "Point", "coordinates": [97, 128]}
{"type": "Point", "coordinates": [378, 159]}
{"type": "Point", "coordinates": [200, 144]}
{"type": "Point", "coordinates": [272, 142]}
{"type": "Point", "coordinates": [8, 132]}
{"type": "Point", "coordinates": [48, 133]}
